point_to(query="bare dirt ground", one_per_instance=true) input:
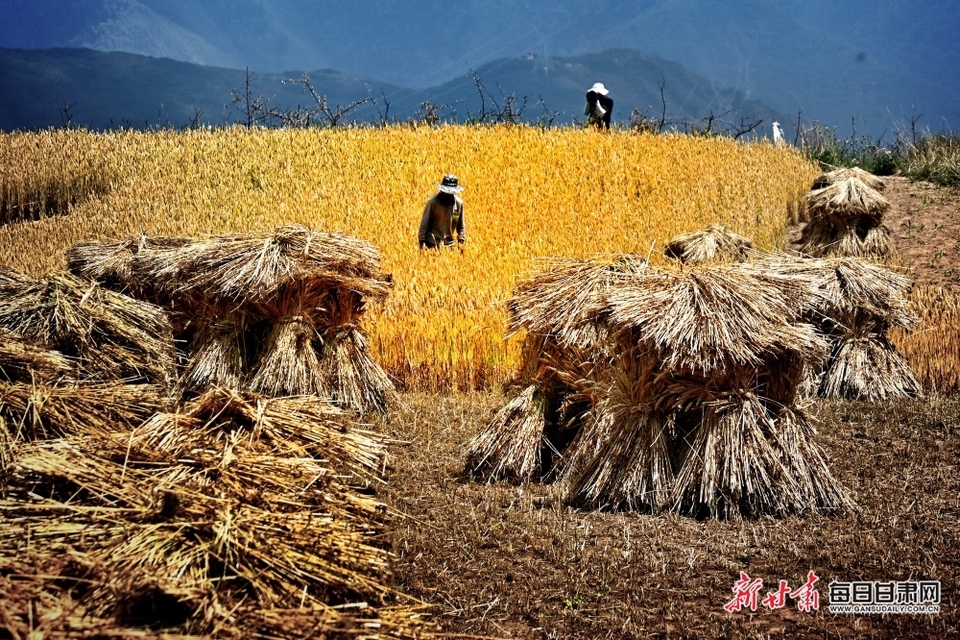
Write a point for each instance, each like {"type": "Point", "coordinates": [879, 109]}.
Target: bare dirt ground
{"type": "Point", "coordinates": [501, 561]}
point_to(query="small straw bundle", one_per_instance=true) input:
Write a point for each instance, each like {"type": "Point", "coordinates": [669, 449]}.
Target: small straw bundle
{"type": "Point", "coordinates": [712, 243]}
{"type": "Point", "coordinates": [509, 448]}
{"type": "Point", "coordinates": [355, 379]}
{"type": "Point", "coordinates": [277, 313]}
{"type": "Point", "coordinates": [688, 399]}
{"type": "Point", "coordinates": [22, 360]}
{"type": "Point", "coordinates": [868, 367]}
{"type": "Point", "coordinates": [218, 357]}
{"type": "Point", "coordinates": [111, 336]}
{"type": "Point", "coordinates": [289, 364]}
{"type": "Point", "coordinates": [622, 460]}
{"type": "Point", "coordinates": [844, 218]}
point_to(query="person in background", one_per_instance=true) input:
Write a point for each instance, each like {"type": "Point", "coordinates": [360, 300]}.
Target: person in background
{"type": "Point", "coordinates": [599, 106]}
{"type": "Point", "coordinates": [442, 222]}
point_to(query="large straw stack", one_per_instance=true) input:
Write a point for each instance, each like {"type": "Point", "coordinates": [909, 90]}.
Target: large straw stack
{"type": "Point", "coordinates": [844, 213]}
{"type": "Point", "coordinates": [857, 303]}
{"type": "Point", "coordinates": [274, 313]}
{"type": "Point", "coordinates": [690, 380]}
{"type": "Point", "coordinates": [240, 516]}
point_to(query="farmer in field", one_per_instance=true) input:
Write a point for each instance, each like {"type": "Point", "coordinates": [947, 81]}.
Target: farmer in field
{"type": "Point", "coordinates": [599, 106]}
{"type": "Point", "coordinates": [442, 221]}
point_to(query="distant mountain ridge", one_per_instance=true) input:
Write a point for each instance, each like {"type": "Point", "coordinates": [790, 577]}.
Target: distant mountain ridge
{"type": "Point", "coordinates": [43, 88]}
{"type": "Point", "coordinates": [875, 63]}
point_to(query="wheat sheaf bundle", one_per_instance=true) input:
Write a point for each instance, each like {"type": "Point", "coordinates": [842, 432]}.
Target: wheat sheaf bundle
{"type": "Point", "coordinates": [276, 313]}
{"type": "Point", "coordinates": [110, 335]}
{"type": "Point", "coordinates": [714, 242]}
{"type": "Point", "coordinates": [686, 404]}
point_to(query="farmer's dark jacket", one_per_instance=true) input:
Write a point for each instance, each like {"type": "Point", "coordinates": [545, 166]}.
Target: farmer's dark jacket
{"type": "Point", "coordinates": [440, 224]}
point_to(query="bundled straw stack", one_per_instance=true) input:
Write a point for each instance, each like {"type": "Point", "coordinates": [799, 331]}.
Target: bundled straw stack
{"type": "Point", "coordinates": [687, 385]}
{"type": "Point", "coordinates": [854, 305]}
{"type": "Point", "coordinates": [109, 336]}
{"type": "Point", "coordinates": [239, 516]}
{"type": "Point", "coordinates": [562, 347]}
{"type": "Point", "coordinates": [274, 313]}
{"type": "Point", "coordinates": [844, 213]}
{"type": "Point", "coordinates": [712, 243]}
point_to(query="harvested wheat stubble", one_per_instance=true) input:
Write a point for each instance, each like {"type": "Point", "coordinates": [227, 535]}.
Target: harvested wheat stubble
{"type": "Point", "coordinates": [688, 393]}
{"type": "Point", "coordinates": [111, 336]}
{"type": "Point", "coordinates": [714, 242]}
{"type": "Point", "coordinates": [212, 521]}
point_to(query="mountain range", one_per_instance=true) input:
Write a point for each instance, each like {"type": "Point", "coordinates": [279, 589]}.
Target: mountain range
{"type": "Point", "coordinates": [101, 90]}
{"type": "Point", "coordinates": [861, 63]}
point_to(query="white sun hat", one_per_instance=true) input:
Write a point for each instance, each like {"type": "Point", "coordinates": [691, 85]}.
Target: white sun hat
{"type": "Point", "coordinates": [599, 88]}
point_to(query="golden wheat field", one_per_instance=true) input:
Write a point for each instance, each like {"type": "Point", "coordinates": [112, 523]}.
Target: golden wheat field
{"type": "Point", "coordinates": [530, 193]}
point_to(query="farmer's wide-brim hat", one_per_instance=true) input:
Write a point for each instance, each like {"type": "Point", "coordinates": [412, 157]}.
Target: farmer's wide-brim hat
{"type": "Point", "coordinates": [599, 88]}
{"type": "Point", "coordinates": [450, 184]}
